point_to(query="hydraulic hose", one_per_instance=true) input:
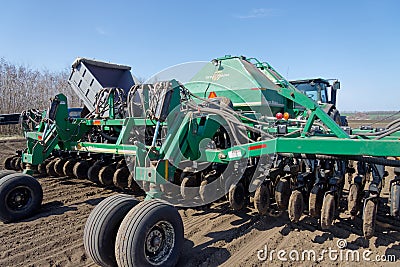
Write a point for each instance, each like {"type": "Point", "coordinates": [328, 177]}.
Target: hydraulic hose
{"type": "Point", "coordinates": [382, 133]}
{"type": "Point", "coordinates": [228, 112]}
{"type": "Point", "coordinates": [388, 133]}
{"type": "Point", "coordinates": [389, 125]}
{"type": "Point", "coordinates": [367, 159]}
{"type": "Point", "coordinates": [109, 137]}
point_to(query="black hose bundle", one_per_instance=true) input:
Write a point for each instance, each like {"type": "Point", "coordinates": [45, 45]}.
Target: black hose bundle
{"type": "Point", "coordinates": [102, 101]}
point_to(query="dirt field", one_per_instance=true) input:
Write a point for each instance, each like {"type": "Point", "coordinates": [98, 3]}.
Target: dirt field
{"type": "Point", "coordinates": [214, 236]}
{"type": "Point", "coordinates": [375, 124]}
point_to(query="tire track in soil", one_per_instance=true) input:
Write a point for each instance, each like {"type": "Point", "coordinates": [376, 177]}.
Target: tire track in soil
{"type": "Point", "coordinates": [46, 247]}
{"type": "Point", "coordinates": [41, 226]}
{"type": "Point", "coordinates": [75, 256]}
{"type": "Point", "coordinates": [192, 222]}
{"type": "Point", "coordinates": [253, 241]}
{"type": "Point", "coordinates": [70, 197]}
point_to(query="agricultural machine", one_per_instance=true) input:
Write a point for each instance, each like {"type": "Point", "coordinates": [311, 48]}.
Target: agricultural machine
{"type": "Point", "coordinates": [237, 129]}
{"type": "Point", "coordinates": [324, 92]}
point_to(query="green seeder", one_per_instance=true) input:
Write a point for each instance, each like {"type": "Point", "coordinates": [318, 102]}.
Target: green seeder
{"type": "Point", "coordinates": [237, 129]}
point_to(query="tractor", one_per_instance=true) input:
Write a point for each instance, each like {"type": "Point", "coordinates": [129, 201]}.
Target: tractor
{"type": "Point", "coordinates": [324, 92]}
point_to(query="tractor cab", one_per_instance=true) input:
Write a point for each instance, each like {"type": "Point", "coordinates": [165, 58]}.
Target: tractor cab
{"type": "Point", "coordinates": [320, 90]}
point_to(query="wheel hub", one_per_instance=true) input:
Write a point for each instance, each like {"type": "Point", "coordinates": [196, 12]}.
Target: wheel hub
{"type": "Point", "coordinates": [18, 198]}
{"type": "Point", "coordinates": [154, 240]}
{"type": "Point", "coordinates": [159, 242]}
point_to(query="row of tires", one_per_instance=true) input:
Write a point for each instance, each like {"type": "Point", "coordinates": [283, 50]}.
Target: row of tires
{"type": "Point", "coordinates": [22, 194]}
{"type": "Point", "coordinates": [106, 173]}
{"type": "Point", "coordinates": [320, 207]}
{"type": "Point", "coordinates": [318, 204]}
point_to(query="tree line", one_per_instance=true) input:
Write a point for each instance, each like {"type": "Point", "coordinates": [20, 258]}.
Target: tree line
{"type": "Point", "coordinates": [23, 87]}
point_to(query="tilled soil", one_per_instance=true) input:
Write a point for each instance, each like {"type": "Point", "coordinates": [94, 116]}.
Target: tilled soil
{"type": "Point", "coordinates": [214, 235]}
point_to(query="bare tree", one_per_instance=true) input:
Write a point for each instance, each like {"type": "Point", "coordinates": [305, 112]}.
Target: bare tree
{"type": "Point", "coordinates": [22, 88]}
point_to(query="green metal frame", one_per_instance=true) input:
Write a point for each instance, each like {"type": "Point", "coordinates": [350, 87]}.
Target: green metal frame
{"type": "Point", "coordinates": [187, 130]}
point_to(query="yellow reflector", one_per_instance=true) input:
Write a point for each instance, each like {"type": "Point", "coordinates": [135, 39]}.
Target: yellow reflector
{"type": "Point", "coordinates": [286, 116]}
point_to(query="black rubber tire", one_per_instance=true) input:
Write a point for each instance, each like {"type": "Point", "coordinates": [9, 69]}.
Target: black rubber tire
{"type": "Point", "coordinates": [130, 248]}
{"type": "Point", "coordinates": [14, 163]}
{"type": "Point", "coordinates": [207, 192]}
{"type": "Point", "coordinates": [4, 173]}
{"type": "Point", "coordinates": [369, 218]}
{"type": "Point", "coordinates": [50, 168]}
{"type": "Point", "coordinates": [93, 172]}
{"type": "Point", "coordinates": [80, 169]}
{"type": "Point", "coordinates": [352, 200]}
{"type": "Point", "coordinates": [282, 194]}
{"type": "Point", "coordinates": [236, 196]}
{"type": "Point", "coordinates": [11, 187]}
{"type": "Point", "coordinates": [18, 164]}
{"type": "Point", "coordinates": [296, 206]}
{"type": "Point", "coordinates": [133, 185]}
{"type": "Point", "coordinates": [395, 200]}
{"type": "Point", "coordinates": [106, 175]}
{"type": "Point", "coordinates": [68, 168]}
{"type": "Point", "coordinates": [189, 188]}
{"type": "Point", "coordinates": [41, 168]}
{"type": "Point", "coordinates": [262, 199]}
{"type": "Point", "coordinates": [59, 166]}
{"type": "Point", "coordinates": [120, 178]}
{"type": "Point", "coordinates": [7, 163]}
{"type": "Point", "coordinates": [335, 115]}
{"type": "Point", "coordinates": [328, 211]}
{"type": "Point", "coordinates": [102, 226]}
{"type": "Point", "coordinates": [315, 201]}
{"type": "Point", "coordinates": [121, 163]}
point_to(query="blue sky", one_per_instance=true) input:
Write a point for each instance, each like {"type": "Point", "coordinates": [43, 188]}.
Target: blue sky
{"type": "Point", "coordinates": [357, 42]}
